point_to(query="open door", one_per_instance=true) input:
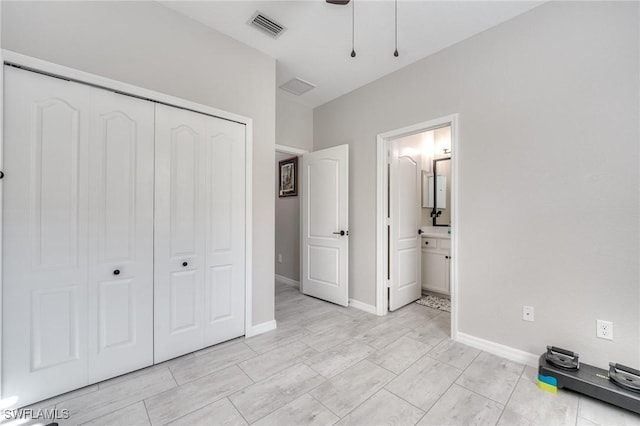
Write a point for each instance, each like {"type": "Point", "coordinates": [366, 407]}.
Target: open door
{"type": "Point", "coordinates": [325, 224]}
{"type": "Point", "coordinates": [404, 241]}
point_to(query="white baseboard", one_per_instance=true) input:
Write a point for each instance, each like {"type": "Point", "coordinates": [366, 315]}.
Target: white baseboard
{"type": "Point", "coordinates": [498, 349]}
{"type": "Point", "coordinates": [260, 328]}
{"type": "Point", "coordinates": [362, 306]}
{"type": "Point", "coordinates": [289, 281]}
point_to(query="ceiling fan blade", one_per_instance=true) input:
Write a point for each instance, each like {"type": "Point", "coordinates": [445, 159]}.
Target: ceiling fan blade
{"type": "Point", "coordinates": [340, 2]}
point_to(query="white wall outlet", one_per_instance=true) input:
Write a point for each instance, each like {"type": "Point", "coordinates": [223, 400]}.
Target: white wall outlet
{"type": "Point", "coordinates": [527, 313]}
{"type": "Point", "coordinates": [604, 329]}
{"type": "Point", "coordinates": [279, 257]}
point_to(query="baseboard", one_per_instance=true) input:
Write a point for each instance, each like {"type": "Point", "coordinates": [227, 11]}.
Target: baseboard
{"type": "Point", "coordinates": [498, 349]}
{"type": "Point", "coordinates": [260, 328]}
{"type": "Point", "coordinates": [362, 306]}
{"type": "Point", "coordinates": [289, 281]}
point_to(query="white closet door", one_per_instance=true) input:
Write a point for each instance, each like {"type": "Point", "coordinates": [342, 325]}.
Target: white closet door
{"type": "Point", "coordinates": [78, 205]}
{"type": "Point", "coordinates": [224, 230]}
{"type": "Point", "coordinates": [179, 236]}
{"type": "Point", "coordinates": [199, 232]}
{"type": "Point", "coordinates": [121, 235]}
{"type": "Point", "coordinates": [45, 236]}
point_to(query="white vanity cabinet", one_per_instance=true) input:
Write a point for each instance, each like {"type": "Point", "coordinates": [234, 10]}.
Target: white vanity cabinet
{"type": "Point", "coordinates": [436, 253]}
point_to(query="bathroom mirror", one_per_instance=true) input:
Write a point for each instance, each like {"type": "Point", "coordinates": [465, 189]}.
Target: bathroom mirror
{"type": "Point", "coordinates": [440, 190]}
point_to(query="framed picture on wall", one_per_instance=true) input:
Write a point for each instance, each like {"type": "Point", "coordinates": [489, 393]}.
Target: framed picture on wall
{"type": "Point", "coordinates": [288, 177]}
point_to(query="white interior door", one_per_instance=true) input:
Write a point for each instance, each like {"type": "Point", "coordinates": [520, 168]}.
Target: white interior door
{"type": "Point", "coordinates": [325, 224]}
{"type": "Point", "coordinates": [120, 234]}
{"type": "Point", "coordinates": [199, 231]}
{"type": "Point", "coordinates": [46, 133]}
{"type": "Point", "coordinates": [404, 242]}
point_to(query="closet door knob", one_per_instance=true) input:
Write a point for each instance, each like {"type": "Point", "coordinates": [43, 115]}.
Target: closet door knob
{"type": "Point", "coordinates": [446, 257]}
{"type": "Point", "coordinates": [116, 272]}
{"type": "Point", "coordinates": [185, 264]}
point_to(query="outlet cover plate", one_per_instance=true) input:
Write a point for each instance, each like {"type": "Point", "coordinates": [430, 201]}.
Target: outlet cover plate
{"type": "Point", "coordinates": [604, 329]}
{"type": "Point", "coordinates": [527, 313]}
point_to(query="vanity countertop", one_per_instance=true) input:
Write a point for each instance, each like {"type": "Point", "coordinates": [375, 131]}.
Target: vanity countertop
{"type": "Point", "coordinates": [435, 232]}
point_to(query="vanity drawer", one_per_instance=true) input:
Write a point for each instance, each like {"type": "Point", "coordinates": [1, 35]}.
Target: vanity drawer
{"type": "Point", "coordinates": [445, 243]}
{"type": "Point", "coordinates": [430, 242]}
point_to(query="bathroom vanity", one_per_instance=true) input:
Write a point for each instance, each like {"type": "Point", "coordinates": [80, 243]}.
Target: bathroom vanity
{"type": "Point", "coordinates": [436, 255]}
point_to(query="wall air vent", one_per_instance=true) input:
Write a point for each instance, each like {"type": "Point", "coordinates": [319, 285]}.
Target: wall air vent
{"type": "Point", "coordinates": [268, 25]}
{"type": "Point", "coordinates": [297, 86]}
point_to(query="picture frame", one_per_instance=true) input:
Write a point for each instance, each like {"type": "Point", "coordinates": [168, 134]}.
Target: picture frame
{"type": "Point", "coordinates": [288, 171]}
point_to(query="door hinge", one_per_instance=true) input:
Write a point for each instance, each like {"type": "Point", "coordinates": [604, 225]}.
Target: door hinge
{"type": "Point", "coordinates": [387, 221]}
{"type": "Point", "coordinates": [388, 157]}
{"type": "Point", "coordinates": [388, 283]}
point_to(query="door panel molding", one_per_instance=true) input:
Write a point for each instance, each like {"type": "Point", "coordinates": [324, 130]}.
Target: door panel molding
{"type": "Point", "coordinates": [324, 214]}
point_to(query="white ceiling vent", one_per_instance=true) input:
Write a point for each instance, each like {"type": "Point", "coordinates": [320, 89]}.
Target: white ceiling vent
{"type": "Point", "coordinates": [297, 86]}
{"type": "Point", "coordinates": [267, 25]}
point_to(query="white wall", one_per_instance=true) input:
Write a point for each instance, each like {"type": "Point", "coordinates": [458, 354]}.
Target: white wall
{"type": "Point", "coordinates": [294, 122]}
{"type": "Point", "coordinates": [287, 228]}
{"type": "Point", "coordinates": [145, 44]}
{"type": "Point", "coordinates": [549, 184]}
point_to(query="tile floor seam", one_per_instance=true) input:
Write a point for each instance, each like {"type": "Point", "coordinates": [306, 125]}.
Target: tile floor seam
{"type": "Point", "coordinates": [484, 396]}
{"type": "Point", "coordinates": [357, 406]}
{"type": "Point", "coordinates": [320, 402]}
{"type": "Point", "coordinates": [515, 386]}
{"type": "Point", "coordinates": [273, 411]}
{"type": "Point", "coordinates": [238, 410]}
{"type": "Point", "coordinates": [385, 368]}
{"type": "Point", "coordinates": [441, 395]}
{"type": "Point", "coordinates": [146, 410]}
{"type": "Point", "coordinates": [578, 409]}
{"type": "Point", "coordinates": [245, 373]}
{"type": "Point", "coordinates": [412, 364]}
{"type": "Point", "coordinates": [408, 402]}
{"type": "Point", "coordinates": [172, 376]}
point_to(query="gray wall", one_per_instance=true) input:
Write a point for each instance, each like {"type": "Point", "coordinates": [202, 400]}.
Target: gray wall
{"type": "Point", "coordinates": [145, 44]}
{"type": "Point", "coordinates": [287, 228]}
{"type": "Point", "coordinates": [548, 179]}
{"type": "Point", "coordinates": [294, 122]}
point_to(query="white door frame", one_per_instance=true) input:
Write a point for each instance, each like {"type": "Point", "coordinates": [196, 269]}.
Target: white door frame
{"type": "Point", "coordinates": [299, 152]}
{"type": "Point", "coordinates": [382, 301]}
{"type": "Point", "coordinates": [53, 69]}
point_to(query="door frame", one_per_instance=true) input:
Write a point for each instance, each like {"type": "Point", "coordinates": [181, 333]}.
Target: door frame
{"type": "Point", "coordinates": [56, 70]}
{"type": "Point", "coordinates": [383, 139]}
{"type": "Point", "coordinates": [285, 149]}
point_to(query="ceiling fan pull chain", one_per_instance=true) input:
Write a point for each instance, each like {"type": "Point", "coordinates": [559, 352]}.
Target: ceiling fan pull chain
{"type": "Point", "coordinates": [396, 51]}
{"type": "Point", "coordinates": [353, 31]}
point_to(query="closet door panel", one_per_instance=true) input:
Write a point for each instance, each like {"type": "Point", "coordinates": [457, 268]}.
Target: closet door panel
{"type": "Point", "coordinates": [225, 230]}
{"type": "Point", "coordinates": [44, 236]}
{"type": "Point", "coordinates": [121, 231]}
{"type": "Point", "coordinates": [179, 237]}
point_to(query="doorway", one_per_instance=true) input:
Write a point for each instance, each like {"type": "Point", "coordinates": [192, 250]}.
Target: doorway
{"type": "Point", "coordinates": [287, 220]}
{"type": "Point", "coordinates": [433, 146]}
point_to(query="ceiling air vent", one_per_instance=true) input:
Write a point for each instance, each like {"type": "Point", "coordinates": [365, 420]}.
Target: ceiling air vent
{"type": "Point", "coordinates": [297, 86]}
{"type": "Point", "coordinates": [267, 25]}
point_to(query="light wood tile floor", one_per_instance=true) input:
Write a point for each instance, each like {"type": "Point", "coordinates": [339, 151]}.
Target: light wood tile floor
{"type": "Point", "coordinates": [328, 365]}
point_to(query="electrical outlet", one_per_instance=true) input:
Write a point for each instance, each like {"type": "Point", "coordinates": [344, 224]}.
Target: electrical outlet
{"type": "Point", "coordinates": [279, 257]}
{"type": "Point", "coordinates": [604, 329]}
{"type": "Point", "coordinates": [527, 313]}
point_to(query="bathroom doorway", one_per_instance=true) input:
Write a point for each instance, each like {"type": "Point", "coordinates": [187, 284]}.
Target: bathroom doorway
{"type": "Point", "coordinates": [416, 217]}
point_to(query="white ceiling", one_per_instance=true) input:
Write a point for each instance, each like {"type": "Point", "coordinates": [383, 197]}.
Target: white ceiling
{"type": "Point", "coordinates": [317, 43]}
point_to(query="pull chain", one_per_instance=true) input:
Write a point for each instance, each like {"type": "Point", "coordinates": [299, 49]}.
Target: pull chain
{"type": "Point", "coordinates": [396, 51]}
{"type": "Point", "coordinates": [353, 31]}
